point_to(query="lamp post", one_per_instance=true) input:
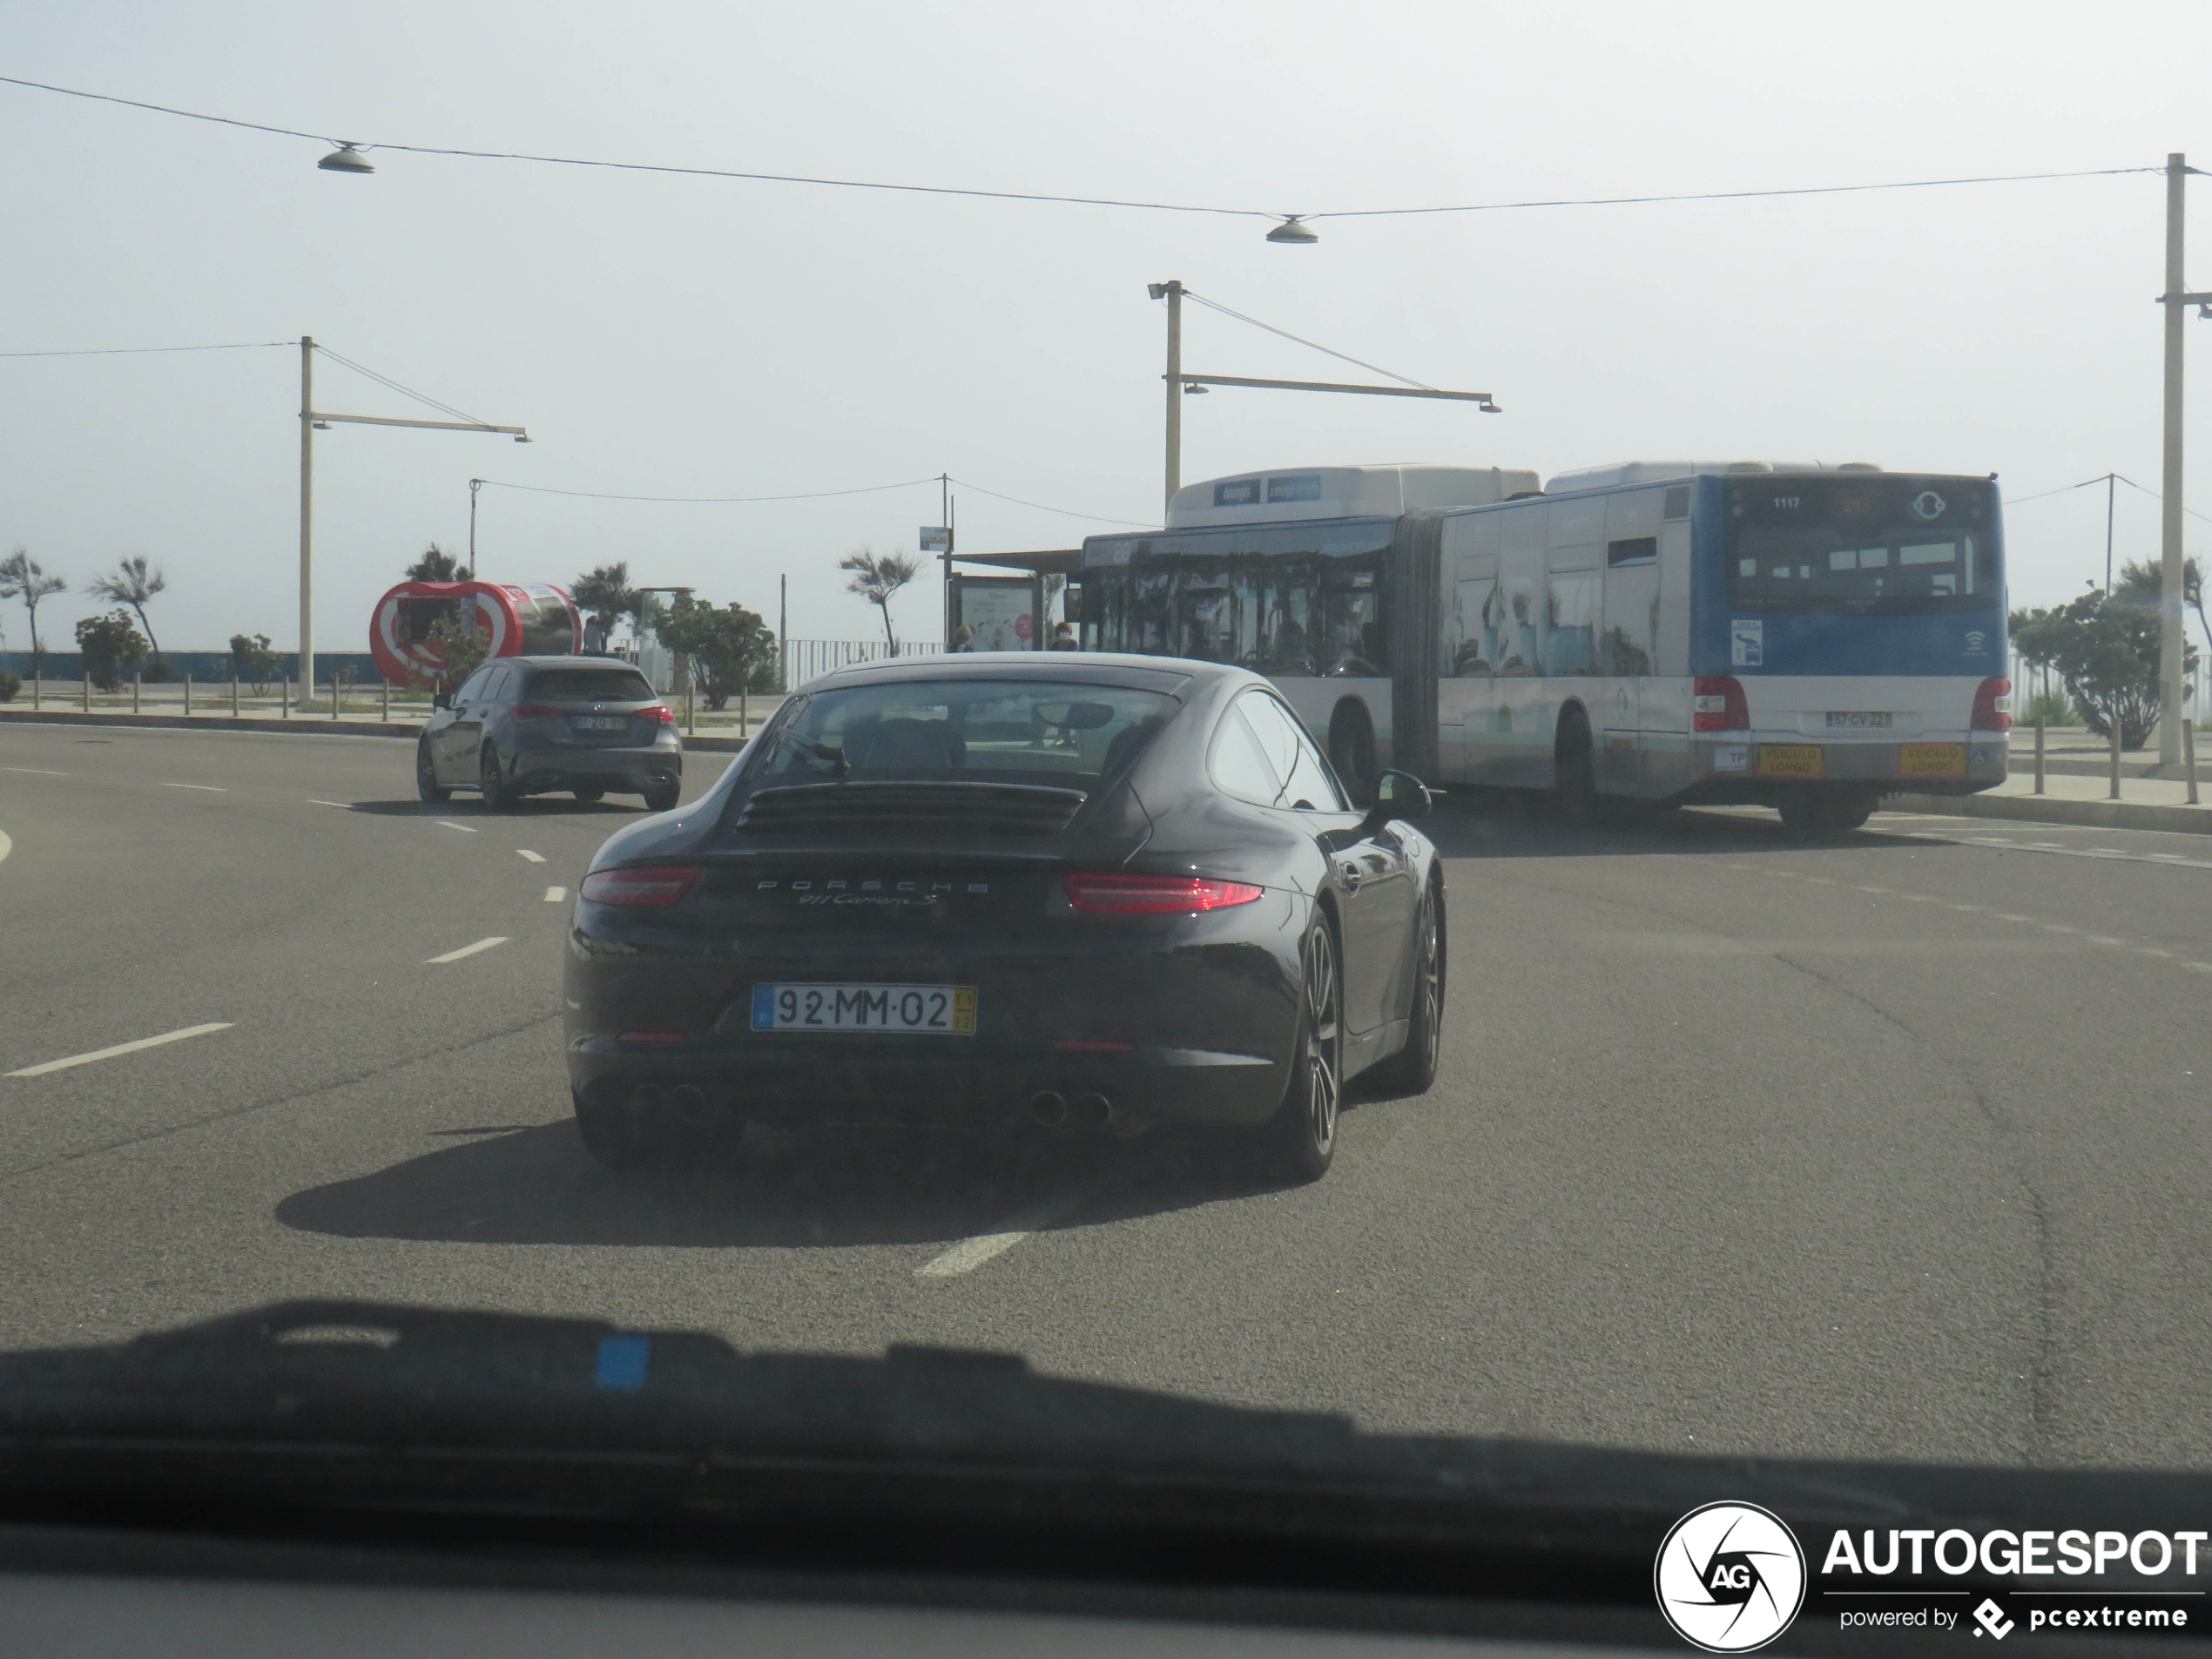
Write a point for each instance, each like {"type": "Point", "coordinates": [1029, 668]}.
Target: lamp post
{"type": "Point", "coordinates": [310, 420]}
{"type": "Point", "coordinates": [2170, 644]}
{"type": "Point", "coordinates": [1179, 383]}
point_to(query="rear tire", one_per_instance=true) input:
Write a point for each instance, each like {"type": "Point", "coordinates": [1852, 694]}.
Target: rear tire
{"type": "Point", "coordinates": [588, 794]}
{"type": "Point", "coordinates": [1411, 1070]}
{"type": "Point", "coordinates": [663, 799]}
{"type": "Point", "coordinates": [426, 775]}
{"type": "Point", "coordinates": [1300, 1142]}
{"type": "Point", "coordinates": [1576, 770]}
{"type": "Point", "coordinates": [497, 796]}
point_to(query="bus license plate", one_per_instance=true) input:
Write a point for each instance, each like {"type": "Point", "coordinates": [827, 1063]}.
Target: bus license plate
{"type": "Point", "coordinates": [1858, 717]}
{"type": "Point", "coordinates": [912, 1010]}
{"type": "Point", "coordinates": [1932, 759]}
{"type": "Point", "coordinates": [1790, 760]}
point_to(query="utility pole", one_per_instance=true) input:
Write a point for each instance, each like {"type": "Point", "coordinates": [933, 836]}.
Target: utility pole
{"type": "Point", "coordinates": [2169, 585]}
{"type": "Point", "coordinates": [306, 510]}
{"type": "Point", "coordinates": [475, 484]}
{"type": "Point", "coordinates": [783, 629]}
{"type": "Point", "coordinates": [2110, 480]}
{"type": "Point", "coordinates": [1172, 293]}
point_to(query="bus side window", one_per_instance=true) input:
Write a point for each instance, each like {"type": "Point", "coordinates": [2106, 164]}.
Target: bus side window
{"type": "Point", "coordinates": [1472, 651]}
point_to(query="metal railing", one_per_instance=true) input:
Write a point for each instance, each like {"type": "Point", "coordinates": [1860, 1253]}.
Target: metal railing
{"type": "Point", "coordinates": [806, 659]}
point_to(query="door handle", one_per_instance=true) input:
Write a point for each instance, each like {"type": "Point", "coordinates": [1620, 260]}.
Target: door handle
{"type": "Point", "coordinates": [1352, 876]}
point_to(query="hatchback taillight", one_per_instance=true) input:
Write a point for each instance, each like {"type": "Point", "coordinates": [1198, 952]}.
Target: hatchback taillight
{"type": "Point", "coordinates": [659, 711]}
{"type": "Point", "coordinates": [536, 711]}
{"type": "Point", "coordinates": [652, 885]}
{"type": "Point", "coordinates": [1717, 705]}
{"type": "Point", "coordinates": [1156, 894]}
{"type": "Point", "coordinates": [1992, 705]}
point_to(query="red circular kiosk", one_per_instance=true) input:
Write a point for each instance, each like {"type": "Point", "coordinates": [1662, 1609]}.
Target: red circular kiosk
{"type": "Point", "coordinates": [534, 619]}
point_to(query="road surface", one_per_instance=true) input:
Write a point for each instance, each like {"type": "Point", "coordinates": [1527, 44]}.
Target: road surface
{"type": "Point", "coordinates": [1895, 1148]}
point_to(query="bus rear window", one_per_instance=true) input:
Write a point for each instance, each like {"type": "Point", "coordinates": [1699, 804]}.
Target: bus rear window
{"type": "Point", "coordinates": [1800, 568]}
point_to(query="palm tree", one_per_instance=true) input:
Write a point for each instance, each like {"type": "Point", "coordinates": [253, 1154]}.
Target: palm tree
{"type": "Point", "coordinates": [131, 583]}
{"type": "Point", "coordinates": [876, 576]}
{"type": "Point", "coordinates": [438, 565]}
{"type": "Point", "coordinates": [22, 577]}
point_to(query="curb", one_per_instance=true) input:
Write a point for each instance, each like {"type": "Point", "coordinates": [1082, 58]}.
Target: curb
{"type": "Point", "coordinates": [2046, 809]}
{"type": "Point", "coordinates": [297, 725]}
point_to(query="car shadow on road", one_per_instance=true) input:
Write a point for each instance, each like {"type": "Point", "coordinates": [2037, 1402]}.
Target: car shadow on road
{"type": "Point", "coordinates": [1506, 824]}
{"type": "Point", "coordinates": [820, 1189]}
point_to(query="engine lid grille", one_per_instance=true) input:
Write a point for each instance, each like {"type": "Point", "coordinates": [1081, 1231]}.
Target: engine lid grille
{"type": "Point", "coordinates": [895, 809]}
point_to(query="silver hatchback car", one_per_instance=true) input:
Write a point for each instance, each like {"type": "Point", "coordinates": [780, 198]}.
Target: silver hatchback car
{"type": "Point", "coordinates": [525, 726]}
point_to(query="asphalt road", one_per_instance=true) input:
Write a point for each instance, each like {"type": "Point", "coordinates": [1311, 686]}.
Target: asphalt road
{"type": "Point", "coordinates": [1897, 1147]}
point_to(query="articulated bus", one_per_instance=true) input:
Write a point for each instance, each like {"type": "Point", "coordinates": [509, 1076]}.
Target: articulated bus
{"type": "Point", "coordinates": [1803, 637]}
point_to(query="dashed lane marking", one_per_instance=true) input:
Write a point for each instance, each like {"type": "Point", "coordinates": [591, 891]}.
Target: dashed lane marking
{"type": "Point", "coordinates": [42, 772]}
{"type": "Point", "coordinates": [208, 788]}
{"type": "Point", "coordinates": [971, 1253]}
{"type": "Point", "coordinates": [67, 1061]}
{"type": "Point", "coordinates": [554, 895]}
{"type": "Point", "coordinates": [447, 823]}
{"type": "Point", "coordinates": [466, 950]}
{"type": "Point", "coordinates": [535, 858]}
{"type": "Point", "coordinates": [344, 806]}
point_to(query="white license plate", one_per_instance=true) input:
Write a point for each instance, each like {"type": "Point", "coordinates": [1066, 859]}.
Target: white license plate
{"type": "Point", "coordinates": [1856, 718]}
{"type": "Point", "coordinates": [914, 1011]}
{"type": "Point", "coordinates": [600, 722]}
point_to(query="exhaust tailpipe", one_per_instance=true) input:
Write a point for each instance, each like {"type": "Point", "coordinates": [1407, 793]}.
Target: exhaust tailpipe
{"type": "Point", "coordinates": [691, 1105]}
{"type": "Point", "coordinates": [1048, 1108]}
{"type": "Point", "coordinates": [645, 1102]}
{"type": "Point", "coordinates": [1094, 1111]}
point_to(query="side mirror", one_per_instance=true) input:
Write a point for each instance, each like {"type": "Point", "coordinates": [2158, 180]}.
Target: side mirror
{"type": "Point", "coordinates": [1399, 795]}
{"type": "Point", "coordinates": [442, 700]}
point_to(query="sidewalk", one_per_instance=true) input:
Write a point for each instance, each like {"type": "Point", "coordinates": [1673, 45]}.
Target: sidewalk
{"type": "Point", "coordinates": [2145, 803]}
{"type": "Point", "coordinates": [720, 735]}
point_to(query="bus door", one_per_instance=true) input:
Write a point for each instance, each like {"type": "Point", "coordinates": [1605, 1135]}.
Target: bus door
{"type": "Point", "coordinates": [1628, 644]}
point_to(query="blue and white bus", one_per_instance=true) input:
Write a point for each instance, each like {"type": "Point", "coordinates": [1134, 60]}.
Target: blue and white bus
{"type": "Point", "coordinates": [1803, 637]}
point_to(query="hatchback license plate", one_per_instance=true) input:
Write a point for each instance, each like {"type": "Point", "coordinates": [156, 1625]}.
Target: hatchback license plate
{"type": "Point", "coordinates": [600, 722]}
{"type": "Point", "coordinates": [1858, 717]}
{"type": "Point", "coordinates": [1792, 760]}
{"type": "Point", "coordinates": [1932, 759]}
{"type": "Point", "coordinates": [914, 1010]}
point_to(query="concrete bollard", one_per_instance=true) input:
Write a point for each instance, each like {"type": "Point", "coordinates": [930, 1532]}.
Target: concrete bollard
{"type": "Point", "coordinates": [2115, 719]}
{"type": "Point", "coordinates": [233, 697]}
{"type": "Point", "coordinates": [385, 712]}
{"type": "Point", "coordinates": [188, 695]}
{"type": "Point", "coordinates": [136, 681]}
{"type": "Point", "coordinates": [284, 698]}
{"type": "Point", "coordinates": [2038, 754]}
{"type": "Point", "coordinates": [2189, 756]}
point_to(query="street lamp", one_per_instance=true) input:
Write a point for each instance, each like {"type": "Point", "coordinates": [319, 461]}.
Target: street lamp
{"type": "Point", "coordinates": [2171, 652]}
{"type": "Point", "coordinates": [346, 159]}
{"type": "Point", "coordinates": [311, 421]}
{"type": "Point", "coordinates": [1180, 384]}
{"type": "Point", "coordinates": [1293, 230]}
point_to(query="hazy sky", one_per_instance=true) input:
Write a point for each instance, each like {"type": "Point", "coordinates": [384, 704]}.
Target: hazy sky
{"type": "Point", "coordinates": [692, 336]}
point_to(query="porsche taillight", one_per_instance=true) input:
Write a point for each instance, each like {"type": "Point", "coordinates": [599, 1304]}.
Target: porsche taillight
{"type": "Point", "coordinates": [1717, 704]}
{"type": "Point", "coordinates": [655, 884]}
{"type": "Point", "coordinates": [1992, 705]}
{"type": "Point", "coordinates": [1156, 895]}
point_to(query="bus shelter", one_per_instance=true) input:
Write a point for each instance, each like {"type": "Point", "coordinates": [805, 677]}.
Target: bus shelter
{"type": "Point", "coordinates": [1009, 608]}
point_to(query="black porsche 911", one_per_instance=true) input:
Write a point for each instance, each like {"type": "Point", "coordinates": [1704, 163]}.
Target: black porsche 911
{"type": "Point", "coordinates": [1098, 892]}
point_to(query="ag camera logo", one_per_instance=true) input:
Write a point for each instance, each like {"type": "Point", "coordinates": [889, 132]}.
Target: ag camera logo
{"type": "Point", "coordinates": [1730, 1577]}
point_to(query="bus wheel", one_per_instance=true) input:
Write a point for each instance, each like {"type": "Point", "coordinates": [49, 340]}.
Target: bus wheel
{"type": "Point", "coordinates": [1575, 791]}
{"type": "Point", "coordinates": [1352, 749]}
{"type": "Point", "coordinates": [1849, 808]}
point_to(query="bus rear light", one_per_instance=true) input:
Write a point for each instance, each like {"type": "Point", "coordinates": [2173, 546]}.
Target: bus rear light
{"type": "Point", "coordinates": [1154, 895]}
{"type": "Point", "coordinates": [652, 884]}
{"type": "Point", "coordinates": [1992, 705]}
{"type": "Point", "coordinates": [1717, 704]}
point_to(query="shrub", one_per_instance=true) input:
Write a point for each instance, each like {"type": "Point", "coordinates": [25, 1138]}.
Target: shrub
{"type": "Point", "coordinates": [112, 645]}
{"type": "Point", "coordinates": [253, 661]}
{"type": "Point", "coordinates": [9, 685]}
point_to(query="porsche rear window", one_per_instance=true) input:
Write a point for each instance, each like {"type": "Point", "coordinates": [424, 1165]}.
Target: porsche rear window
{"type": "Point", "coordinates": [590, 684]}
{"type": "Point", "coordinates": [1032, 728]}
